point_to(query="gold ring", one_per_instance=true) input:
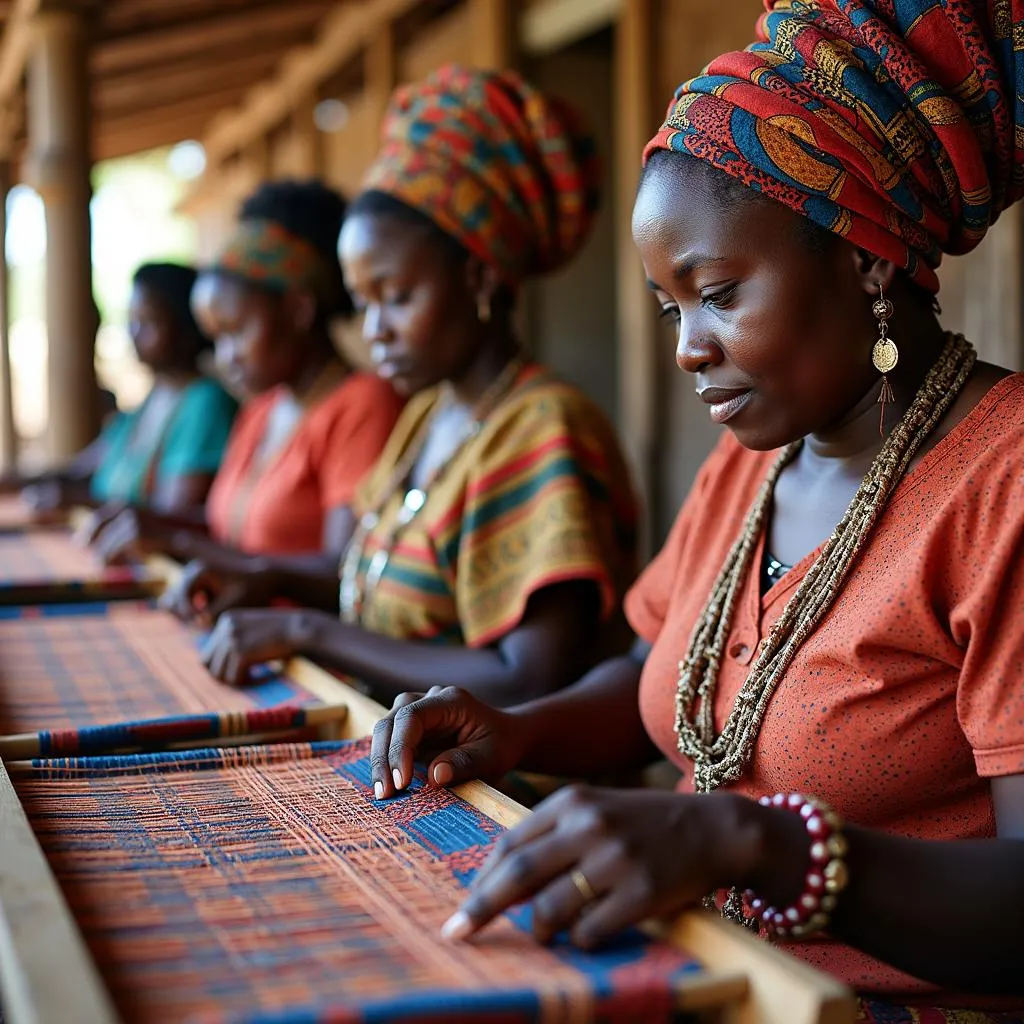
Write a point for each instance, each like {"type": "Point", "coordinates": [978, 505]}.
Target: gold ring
{"type": "Point", "coordinates": [583, 886]}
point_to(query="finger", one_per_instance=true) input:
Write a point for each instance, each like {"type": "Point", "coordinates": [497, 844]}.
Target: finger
{"type": "Point", "coordinates": [520, 875]}
{"type": "Point", "coordinates": [380, 767]}
{"type": "Point", "coordinates": [627, 903]}
{"type": "Point", "coordinates": [436, 715]}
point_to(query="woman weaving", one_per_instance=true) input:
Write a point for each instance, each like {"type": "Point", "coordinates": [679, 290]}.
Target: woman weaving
{"type": "Point", "coordinates": [790, 219]}
{"type": "Point", "coordinates": [312, 427]}
{"type": "Point", "coordinates": [164, 454]}
{"type": "Point", "coordinates": [497, 531]}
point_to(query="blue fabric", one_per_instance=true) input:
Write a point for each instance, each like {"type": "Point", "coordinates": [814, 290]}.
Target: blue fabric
{"type": "Point", "coordinates": [193, 443]}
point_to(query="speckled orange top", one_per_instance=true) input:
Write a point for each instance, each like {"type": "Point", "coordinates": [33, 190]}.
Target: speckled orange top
{"type": "Point", "coordinates": [910, 694]}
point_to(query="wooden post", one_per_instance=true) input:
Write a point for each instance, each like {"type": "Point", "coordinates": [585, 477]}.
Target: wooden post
{"type": "Point", "coordinates": [8, 431]}
{"type": "Point", "coordinates": [58, 166]}
{"type": "Point", "coordinates": [636, 117]}
{"type": "Point", "coordinates": [493, 34]}
{"type": "Point", "coordinates": [380, 72]}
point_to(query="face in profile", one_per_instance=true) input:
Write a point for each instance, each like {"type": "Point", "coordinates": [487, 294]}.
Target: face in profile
{"type": "Point", "coordinates": [776, 331]}
{"type": "Point", "coordinates": [251, 330]}
{"type": "Point", "coordinates": [154, 330]}
{"type": "Point", "coordinates": [418, 306]}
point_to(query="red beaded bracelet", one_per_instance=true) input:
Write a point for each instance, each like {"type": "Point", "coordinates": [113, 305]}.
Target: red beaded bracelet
{"type": "Point", "coordinates": [825, 879]}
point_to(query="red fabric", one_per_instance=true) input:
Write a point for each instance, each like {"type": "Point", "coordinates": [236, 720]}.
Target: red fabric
{"type": "Point", "coordinates": [318, 470]}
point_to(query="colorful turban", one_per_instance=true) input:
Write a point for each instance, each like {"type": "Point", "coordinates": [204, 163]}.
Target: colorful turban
{"type": "Point", "coordinates": [898, 124]}
{"type": "Point", "coordinates": [506, 171]}
{"type": "Point", "coordinates": [266, 254]}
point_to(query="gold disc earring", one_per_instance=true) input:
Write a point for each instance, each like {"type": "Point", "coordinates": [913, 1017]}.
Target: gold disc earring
{"type": "Point", "coordinates": [885, 354]}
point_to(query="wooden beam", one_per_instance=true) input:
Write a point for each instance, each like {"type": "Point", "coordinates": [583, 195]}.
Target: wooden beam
{"type": "Point", "coordinates": [636, 115]}
{"type": "Point", "coordinates": [15, 45]}
{"type": "Point", "coordinates": [162, 84]}
{"type": "Point", "coordinates": [549, 25]}
{"type": "Point", "coordinates": [381, 72]}
{"type": "Point", "coordinates": [223, 30]}
{"type": "Point", "coordinates": [343, 35]}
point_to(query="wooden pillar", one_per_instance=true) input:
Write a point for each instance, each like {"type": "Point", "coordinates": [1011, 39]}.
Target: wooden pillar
{"type": "Point", "coordinates": [8, 431]}
{"type": "Point", "coordinates": [58, 167]}
{"type": "Point", "coordinates": [380, 72]}
{"type": "Point", "coordinates": [636, 117]}
{"type": "Point", "coordinates": [307, 139]}
{"type": "Point", "coordinates": [494, 39]}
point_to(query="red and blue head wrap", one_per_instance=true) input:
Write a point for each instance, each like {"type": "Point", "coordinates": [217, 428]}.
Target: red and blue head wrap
{"type": "Point", "coordinates": [897, 124]}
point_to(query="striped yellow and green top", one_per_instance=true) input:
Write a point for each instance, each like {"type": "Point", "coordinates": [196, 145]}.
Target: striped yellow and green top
{"type": "Point", "coordinates": [541, 495]}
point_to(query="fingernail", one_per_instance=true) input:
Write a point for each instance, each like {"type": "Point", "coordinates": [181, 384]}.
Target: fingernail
{"type": "Point", "coordinates": [457, 927]}
{"type": "Point", "coordinates": [397, 776]}
{"type": "Point", "coordinates": [443, 774]}
{"type": "Point", "coordinates": [378, 790]}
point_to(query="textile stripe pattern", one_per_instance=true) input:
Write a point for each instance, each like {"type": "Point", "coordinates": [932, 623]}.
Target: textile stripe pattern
{"type": "Point", "coordinates": [898, 124]}
{"type": "Point", "coordinates": [270, 889]}
{"type": "Point", "coordinates": [114, 664]}
{"type": "Point", "coordinates": [53, 557]}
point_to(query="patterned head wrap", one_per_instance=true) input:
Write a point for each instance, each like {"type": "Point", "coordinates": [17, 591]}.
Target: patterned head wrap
{"type": "Point", "coordinates": [266, 254]}
{"type": "Point", "coordinates": [898, 124]}
{"type": "Point", "coordinates": [507, 172]}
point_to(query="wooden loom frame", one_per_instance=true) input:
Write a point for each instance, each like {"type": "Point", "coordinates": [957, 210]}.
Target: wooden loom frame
{"type": "Point", "coordinates": [47, 974]}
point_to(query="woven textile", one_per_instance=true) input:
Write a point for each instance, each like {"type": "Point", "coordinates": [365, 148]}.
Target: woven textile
{"type": "Point", "coordinates": [266, 890]}
{"type": "Point", "coordinates": [48, 564]}
{"type": "Point", "coordinates": [116, 663]}
{"type": "Point", "coordinates": [871, 1012]}
{"type": "Point", "coordinates": [897, 125]}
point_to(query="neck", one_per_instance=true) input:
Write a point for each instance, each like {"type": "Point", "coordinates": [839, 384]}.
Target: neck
{"type": "Point", "coordinates": [177, 379]}
{"type": "Point", "coordinates": [497, 348]}
{"type": "Point", "coordinates": [320, 356]}
{"type": "Point", "coordinates": [855, 439]}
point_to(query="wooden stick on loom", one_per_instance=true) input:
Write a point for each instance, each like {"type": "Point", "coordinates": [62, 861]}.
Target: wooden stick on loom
{"type": "Point", "coordinates": [221, 728]}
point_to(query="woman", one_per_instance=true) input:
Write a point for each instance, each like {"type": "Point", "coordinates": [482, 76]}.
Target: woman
{"type": "Point", "coordinates": [497, 531]}
{"type": "Point", "coordinates": [164, 454]}
{"type": "Point", "coordinates": [838, 609]}
{"type": "Point", "coordinates": [313, 426]}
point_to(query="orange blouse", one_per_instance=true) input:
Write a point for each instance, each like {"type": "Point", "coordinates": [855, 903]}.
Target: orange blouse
{"type": "Point", "coordinates": [908, 696]}
{"type": "Point", "coordinates": [318, 469]}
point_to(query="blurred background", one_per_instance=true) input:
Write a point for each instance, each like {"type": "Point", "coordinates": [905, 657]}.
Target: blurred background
{"type": "Point", "coordinates": [131, 129]}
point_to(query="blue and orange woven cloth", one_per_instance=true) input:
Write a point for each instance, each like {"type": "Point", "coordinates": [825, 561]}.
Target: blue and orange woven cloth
{"type": "Point", "coordinates": [63, 668]}
{"type": "Point", "coordinates": [267, 884]}
{"type": "Point", "coordinates": [47, 565]}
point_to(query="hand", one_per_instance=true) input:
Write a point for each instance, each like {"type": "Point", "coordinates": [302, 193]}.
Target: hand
{"type": "Point", "coordinates": [243, 639]}
{"type": "Point", "coordinates": [596, 861]}
{"type": "Point", "coordinates": [120, 534]}
{"type": "Point", "coordinates": [203, 593]}
{"type": "Point", "coordinates": [45, 496]}
{"type": "Point", "coordinates": [472, 740]}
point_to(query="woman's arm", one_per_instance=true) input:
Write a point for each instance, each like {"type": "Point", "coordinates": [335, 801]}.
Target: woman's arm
{"type": "Point", "coordinates": [547, 648]}
{"type": "Point", "coordinates": [951, 913]}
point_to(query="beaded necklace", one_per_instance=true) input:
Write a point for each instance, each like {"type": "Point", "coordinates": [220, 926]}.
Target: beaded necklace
{"type": "Point", "coordinates": [720, 759]}
{"type": "Point", "coordinates": [353, 598]}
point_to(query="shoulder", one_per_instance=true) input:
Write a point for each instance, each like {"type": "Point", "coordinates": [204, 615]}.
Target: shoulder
{"type": "Point", "coordinates": [207, 394]}
{"type": "Point", "coordinates": [358, 396]}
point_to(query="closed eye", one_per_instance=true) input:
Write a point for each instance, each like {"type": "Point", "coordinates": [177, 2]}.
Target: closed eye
{"type": "Point", "coordinates": [723, 298]}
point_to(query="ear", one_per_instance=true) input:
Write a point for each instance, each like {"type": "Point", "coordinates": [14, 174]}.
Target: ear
{"type": "Point", "coordinates": [483, 281]}
{"type": "Point", "coordinates": [302, 310]}
{"type": "Point", "coordinates": [874, 271]}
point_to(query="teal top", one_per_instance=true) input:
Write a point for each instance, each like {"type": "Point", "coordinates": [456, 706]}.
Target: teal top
{"type": "Point", "coordinates": [192, 442]}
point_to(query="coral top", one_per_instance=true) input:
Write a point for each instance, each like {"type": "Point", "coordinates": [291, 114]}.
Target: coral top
{"type": "Point", "coordinates": [281, 508]}
{"type": "Point", "coordinates": [908, 696]}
